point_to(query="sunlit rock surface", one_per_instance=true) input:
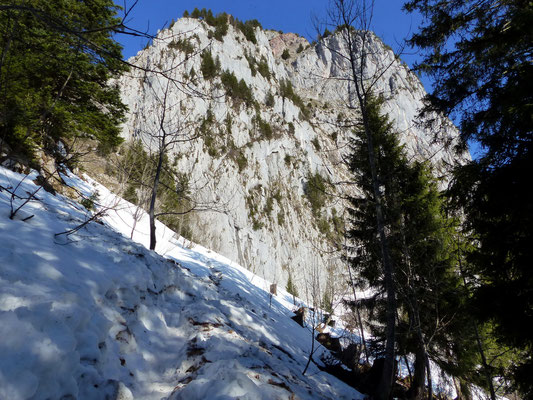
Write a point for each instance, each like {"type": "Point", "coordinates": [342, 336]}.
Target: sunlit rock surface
{"type": "Point", "coordinates": [251, 188]}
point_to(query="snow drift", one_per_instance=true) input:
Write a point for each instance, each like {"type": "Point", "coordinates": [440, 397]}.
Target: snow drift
{"type": "Point", "coordinates": [95, 315]}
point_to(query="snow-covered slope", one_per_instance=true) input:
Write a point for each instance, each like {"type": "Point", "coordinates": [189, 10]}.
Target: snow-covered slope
{"type": "Point", "coordinates": [95, 315]}
{"type": "Point", "coordinates": [252, 187]}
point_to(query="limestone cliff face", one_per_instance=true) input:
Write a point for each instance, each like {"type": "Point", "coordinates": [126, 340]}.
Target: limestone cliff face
{"type": "Point", "coordinates": [250, 164]}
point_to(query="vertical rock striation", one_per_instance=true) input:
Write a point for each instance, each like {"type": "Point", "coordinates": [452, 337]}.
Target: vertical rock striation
{"type": "Point", "coordinates": [251, 164]}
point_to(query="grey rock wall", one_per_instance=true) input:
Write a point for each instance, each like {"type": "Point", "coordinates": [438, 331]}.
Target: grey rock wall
{"type": "Point", "coordinates": [258, 215]}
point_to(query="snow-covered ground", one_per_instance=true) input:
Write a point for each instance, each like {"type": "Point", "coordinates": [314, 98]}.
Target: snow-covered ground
{"type": "Point", "coordinates": [95, 315]}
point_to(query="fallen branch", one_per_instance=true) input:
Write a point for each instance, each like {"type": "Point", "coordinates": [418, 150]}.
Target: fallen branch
{"type": "Point", "coordinates": [84, 223]}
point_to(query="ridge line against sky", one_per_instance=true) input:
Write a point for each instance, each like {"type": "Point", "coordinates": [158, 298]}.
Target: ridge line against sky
{"type": "Point", "coordinates": [390, 23]}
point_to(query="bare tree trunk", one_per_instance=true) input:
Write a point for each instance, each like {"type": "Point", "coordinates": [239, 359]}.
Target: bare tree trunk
{"type": "Point", "coordinates": [430, 381]}
{"type": "Point", "coordinates": [361, 328]}
{"type": "Point", "coordinates": [406, 361]}
{"type": "Point", "coordinates": [358, 313]}
{"type": "Point", "coordinates": [312, 346]}
{"type": "Point", "coordinates": [419, 375]}
{"type": "Point", "coordinates": [484, 363]}
{"type": "Point", "coordinates": [488, 377]}
{"type": "Point", "coordinates": [346, 13]}
{"type": "Point", "coordinates": [416, 389]}
{"type": "Point", "coordinates": [136, 215]}
{"type": "Point", "coordinates": [151, 211]}
{"type": "Point", "coordinates": [314, 299]}
{"type": "Point", "coordinates": [387, 379]}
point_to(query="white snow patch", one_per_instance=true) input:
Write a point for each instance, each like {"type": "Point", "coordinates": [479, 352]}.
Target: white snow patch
{"type": "Point", "coordinates": [94, 315]}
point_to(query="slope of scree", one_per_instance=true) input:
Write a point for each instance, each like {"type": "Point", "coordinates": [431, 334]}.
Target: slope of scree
{"type": "Point", "coordinates": [95, 315]}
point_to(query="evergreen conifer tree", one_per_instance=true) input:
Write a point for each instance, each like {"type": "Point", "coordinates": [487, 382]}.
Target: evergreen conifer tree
{"type": "Point", "coordinates": [479, 56]}
{"type": "Point", "coordinates": [291, 288]}
{"type": "Point", "coordinates": [422, 250]}
{"type": "Point", "coordinates": [367, 229]}
{"type": "Point", "coordinates": [57, 60]}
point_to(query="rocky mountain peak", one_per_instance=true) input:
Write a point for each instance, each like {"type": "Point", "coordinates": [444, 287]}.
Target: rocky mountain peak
{"type": "Point", "coordinates": [262, 148]}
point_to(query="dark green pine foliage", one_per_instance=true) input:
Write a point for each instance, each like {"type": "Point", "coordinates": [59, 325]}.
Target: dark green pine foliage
{"type": "Point", "coordinates": [490, 361]}
{"type": "Point", "coordinates": [433, 307]}
{"type": "Point", "coordinates": [238, 90]}
{"type": "Point", "coordinates": [56, 61]}
{"type": "Point", "coordinates": [422, 249]}
{"type": "Point", "coordinates": [479, 55]}
{"type": "Point", "coordinates": [291, 288]}
{"type": "Point", "coordinates": [367, 256]}
{"type": "Point", "coordinates": [221, 23]}
{"type": "Point", "coordinates": [209, 66]}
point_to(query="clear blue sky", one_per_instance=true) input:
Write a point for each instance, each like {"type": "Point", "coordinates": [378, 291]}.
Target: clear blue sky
{"type": "Point", "coordinates": [390, 22]}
